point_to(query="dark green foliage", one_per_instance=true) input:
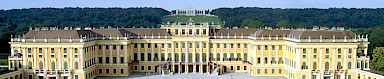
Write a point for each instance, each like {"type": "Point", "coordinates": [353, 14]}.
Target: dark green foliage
{"type": "Point", "coordinates": [17, 21]}
{"type": "Point", "coordinates": [308, 17]}
{"type": "Point", "coordinates": [378, 59]}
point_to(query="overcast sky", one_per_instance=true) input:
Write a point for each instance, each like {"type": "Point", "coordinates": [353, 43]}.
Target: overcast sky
{"type": "Point", "coordinates": [199, 4]}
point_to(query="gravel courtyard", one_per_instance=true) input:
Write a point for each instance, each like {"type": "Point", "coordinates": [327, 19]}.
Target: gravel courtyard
{"type": "Point", "coordinates": [193, 76]}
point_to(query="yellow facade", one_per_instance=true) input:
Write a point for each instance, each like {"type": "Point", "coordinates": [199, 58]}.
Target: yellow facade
{"type": "Point", "coordinates": [200, 48]}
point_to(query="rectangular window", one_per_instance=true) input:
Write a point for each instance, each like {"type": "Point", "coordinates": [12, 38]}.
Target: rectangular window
{"type": "Point", "coordinates": [182, 31]}
{"type": "Point", "coordinates": [190, 31]}
{"type": "Point", "coordinates": [197, 31]}
{"type": "Point", "coordinates": [238, 45]}
{"type": "Point", "coordinates": [183, 45]}
{"type": "Point", "coordinates": [327, 50]}
{"type": "Point", "coordinates": [114, 60]}
{"type": "Point", "coordinates": [40, 56]}
{"type": "Point", "coordinates": [29, 50]}
{"type": "Point", "coordinates": [65, 56]}
{"type": "Point", "coordinates": [197, 45]}
{"type": "Point", "coordinates": [225, 45]}
{"type": "Point", "coordinates": [273, 71]}
{"type": "Point", "coordinates": [211, 45]}
{"type": "Point", "coordinates": [149, 45]}
{"type": "Point", "coordinates": [114, 71]}
{"type": "Point", "coordinates": [52, 56]}
{"type": "Point", "coordinates": [107, 71]}
{"type": "Point", "coordinates": [258, 47]}
{"type": "Point", "coordinates": [326, 56]}
{"type": "Point", "coordinates": [245, 46]}
{"type": "Point", "coordinates": [169, 45]}
{"type": "Point", "coordinates": [280, 47]}
{"type": "Point", "coordinates": [238, 67]}
{"type": "Point", "coordinates": [121, 59]}
{"type": "Point", "coordinates": [304, 56]}
{"type": "Point", "coordinates": [106, 47]}
{"type": "Point", "coordinates": [265, 47]}
{"type": "Point", "coordinates": [280, 71]}
{"type": "Point", "coordinates": [29, 56]}
{"type": "Point", "coordinates": [121, 47]}
{"type": "Point", "coordinates": [204, 31]}
{"type": "Point", "coordinates": [303, 77]}
{"type": "Point", "coordinates": [155, 45]}
{"type": "Point", "coordinates": [349, 50]}
{"type": "Point", "coordinates": [258, 60]}
{"type": "Point", "coordinates": [231, 45]}
{"type": "Point", "coordinates": [218, 45]}
{"type": "Point", "coordinates": [65, 50]}
{"type": "Point", "coordinates": [349, 76]}
{"type": "Point", "coordinates": [231, 67]}
{"type": "Point", "coordinates": [52, 50]}
{"type": "Point", "coordinates": [135, 45]}
{"type": "Point", "coordinates": [76, 50]}
{"type": "Point", "coordinates": [76, 56]}
{"type": "Point", "coordinates": [176, 31]}
{"type": "Point", "coordinates": [100, 71]}
{"type": "Point", "coordinates": [149, 68]}
{"type": "Point", "coordinates": [245, 67]}
{"type": "Point", "coordinates": [273, 47]}
{"type": "Point", "coordinates": [142, 45]}
{"type": "Point", "coordinates": [314, 56]}
{"type": "Point", "coordinates": [100, 59]}
{"type": "Point", "coordinates": [99, 47]}
{"type": "Point", "coordinates": [338, 56]}
{"type": "Point", "coordinates": [121, 71]}
{"type": "Point", "coordinates": [314, 77]}
{"type": "Point", "coordinates": [190, 45]}
{"type": "Point", "coordinates": [315, 50]}
{"type": "Point", "coordinates": [339, 50]}
{"type": "Point", "coordinates": [142, 67]}
{"type": "Point", "coordinates": [304, 51]}
{"type": "Point", "coordinates": [266, 60]}
{"type": "Point", "coordinates": [135, 67]}
{"type": "Point", "coordinates": [258, 71]}
{"type": "Point", "coordinates": [106, 59]}
{"type": "Point", "coordinates": [265, 71]}
{"type": "Point", "coordinates": [162, 46]}
{"type": "Point", "coordinates": [76, 76]}
{"type": "Point", "coordinates": [177, 45]}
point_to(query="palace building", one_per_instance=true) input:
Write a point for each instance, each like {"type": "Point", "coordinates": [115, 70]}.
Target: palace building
{"type": "Point", "coordinates": [189, 47]}
{"type": "Point", "coordinates": [190, 12]}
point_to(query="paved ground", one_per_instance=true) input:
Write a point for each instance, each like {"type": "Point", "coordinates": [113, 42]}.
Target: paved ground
{"type": "Point", "coordinates": [193, 76]}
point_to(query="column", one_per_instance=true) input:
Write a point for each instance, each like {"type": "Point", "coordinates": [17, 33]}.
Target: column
{"type": "Point", "coordinates": [34, 56]}
{"type": "Point", "coordinates": [309, 60]}
{"type": "Point", "coordinates": [12, 51]}
{"type": "Point", "coordinates": [180, 56]}
{"type": "Point", "coordinates": [126, 54]}
{"type": "Point", "coordinates": [173, 56]}
{"type": "Point", "coordinates": [118, 55]}
{"type": "Point", "coordinates": [146, 52]}
{"type": "Point", "coordinates": [354, 58]}
{"type": "Point", "coordinates": [333, 58]}
{"type": "Point", "coordinates": [262, 59]}
{"type": "Point", "coordinates": [70, 59]}
{"type": "Point", "coordinates": [186, 56]}
{"type": "Point", "coordinates": [345, 66]}
{"type": "Point", "coordinates": [25, 59]}
{"type": "Point", "coordinates": [110, 54]}
{"type": "Point", "coordinates": [321, 59]}
{"type": "Point", "coordinates": [269, 54]}
{"type": "Point", "coordinates": [254, 54]}
{"type": "Point", "coordinates": [201, 51]}
{"type": "Point", "coordinates": [59, 55]}
{"type": "Point", "coordinates": [194, 52]}
{"type": "Point", "coordinates": [81, 58]}
{"type": "Point", "coordinates": [221, 52]}
{"type": "Point", "coordinates": [46, 58]}
{"type": "Point", "coordinates": [104, 57]}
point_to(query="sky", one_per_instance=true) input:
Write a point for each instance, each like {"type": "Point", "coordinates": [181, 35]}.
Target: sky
{"type": "Point", "coordinates": [198, 4]}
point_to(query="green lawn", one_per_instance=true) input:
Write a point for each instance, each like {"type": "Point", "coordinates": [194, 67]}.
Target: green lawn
{"type": "Point", "coordinates": [194, 18]}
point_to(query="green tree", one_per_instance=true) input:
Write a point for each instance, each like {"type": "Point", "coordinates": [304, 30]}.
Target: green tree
{"type": "Point", "coordinates": [251, 23]}
{"type": "Point", "coordinates": [376, 38]}
{"type": "Point", "coordinates": [283, 23]}
{"type": "Point", "coordinates": [378, 58]}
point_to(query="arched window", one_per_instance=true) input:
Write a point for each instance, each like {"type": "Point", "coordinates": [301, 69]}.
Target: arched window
{"type": "Point", "coordinates": [149, 57]}
{"type": "Point", "coordinates": [326, 65]}
{"type": "Point", "coordinates": [76, 65]}
{"type": "Point", "coordinates": [162, 56]}
{"type": "Point", "coordinates": [232, 56]}
{"type": "Point", "coordinates": [210, 55]}
{"type": "Point", "coordinates": [239, 55]}
{"type": "Point", "coordinates": [53, 66]}
{"type": "Point", "coordinates": [218, 57]}
{"type": "Point", "coordinates": [314, 66]}
{"type": "Point", "coordinates": [245, 57]}
{"type": "Point", "coordinates": [156, 56]}
{"type": "Point", "coordinates": [29, 65]}
{"type": "Point", "coordinates": [41, 65]}
{"type": "Point", "coordinates": [349, 65]}
{"type": "Point", "coordinates": [197, 57]}
{"type": "Point", "coordinates": [339, 65]}
{"type": "Point", "coordinates": [225, 55]}
{"type": "Point", "coordinates": [204, 57]}
{"type": "Point", "coordinates": [65, 65]}
{"type": "Point", "coordinates": [176, 57]}
{"type": "Point", "coordinates": [169, 56]}
{"type": "Point", "coordinates": [190, 57]}
{"type": "Point", "coordinates": [304, 64]}
{"type": "Point", "coordinates": [183, 57]}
